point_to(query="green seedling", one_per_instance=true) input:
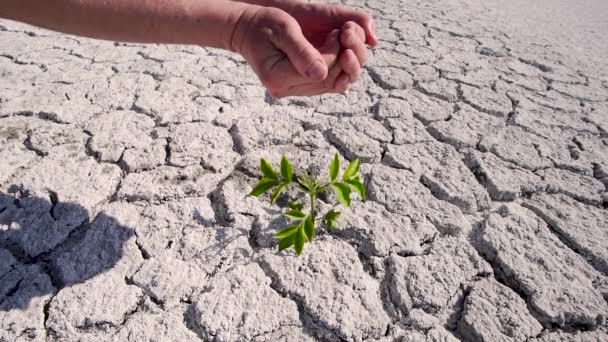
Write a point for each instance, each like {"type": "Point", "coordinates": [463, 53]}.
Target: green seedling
{"type": "Point", "coordinates": [303, 228]}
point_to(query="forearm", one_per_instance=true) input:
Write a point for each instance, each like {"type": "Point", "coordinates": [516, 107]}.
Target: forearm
{"type": "Point", "coordinates": [202, 22]}
{"type": "Point", "coordinates": [282, 4]}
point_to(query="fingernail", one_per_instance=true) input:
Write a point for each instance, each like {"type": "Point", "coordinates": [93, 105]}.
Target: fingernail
{"type": "Point", "coordinates": [371, 30]}
{"type": "Point", "coordinates": [316, 71]}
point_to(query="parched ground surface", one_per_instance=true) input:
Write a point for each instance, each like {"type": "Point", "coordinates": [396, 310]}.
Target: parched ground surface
{"type": "Point", "coordinates": [124, 171]}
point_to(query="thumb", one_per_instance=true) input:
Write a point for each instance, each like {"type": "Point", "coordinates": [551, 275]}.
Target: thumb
{"type": "Point", "coordinates": [301, 53]}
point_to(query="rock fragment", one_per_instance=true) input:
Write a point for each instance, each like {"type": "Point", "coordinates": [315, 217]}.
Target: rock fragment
{"type": "Point", "coordinates": [102, 303]}
{"type": "Point", "coordinates": [114, 132]}
{"type": "Point", "coordinates": [425, 108]}
{"type": "Point", "coordinates": [557, 283]}
{"type": "Point", "coordinates": [440, 168]}
{"type": "Point", "coordinates": [398, 117]}
{"type": "Point", "coordinates": [154, 324]}
{"type": "Point", "coordinates": [435, 282]}
{"type": "Point", "coordinates": [24, 292]}
{"type": "Point", "coordinates": [381, 233]}
{"type": "Point", "coordinates": [36, 226]}
{"type": "Point", "coordinates": [202, 144]}
{"type": "Point", "coordinates": [504, 181]}
{"type": "Point", "coordinates": [160, 226]}
{"type": "Point", "coordinates": [493, 312]}
{"type": "Point", "coordinates": [486, 101]}
{"type": "Point", "coordinates": [81, 181]}
{"type": "Point", "coordinates": [121, 90]}
{"type": "Point", "coordinates": [359, 138]}
{"type": "Point", "coordinates": [167, 182]}
{"type": "Point", "coordinates": [109, 242]}
{"type": "Point", "coordinates": [583, 188]}
{"type": "Point", "coordinates": [584, 336]}
{"type": "Point", "coordinates": [400, 191]}
{"type": "Point", "coordinates": [442, 89]}
{"type": "Point", "coordinates": [580, 225]}
{"type": "Point", "coordinates": [391, 78]}
{"type": "Point", "coordinates": [146, 157]}
{"type": "Point", "coordinates": [339, 300]}
{"type": "Point", "coordinates": [516, 146]}
{"type": "Point", "coordinates": [465, 128]}
{"type": "Point", "coordinates": [241, 304]}
{"type": "Point", "coordinates": [169, 280]}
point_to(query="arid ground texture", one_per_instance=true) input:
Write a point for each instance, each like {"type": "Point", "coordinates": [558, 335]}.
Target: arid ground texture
{"type": "Point", "coordinates": [482, 128]}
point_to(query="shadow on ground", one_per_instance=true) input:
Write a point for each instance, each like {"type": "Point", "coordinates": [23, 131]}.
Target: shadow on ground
{"type": "Point", "coordinates": [47, 245]}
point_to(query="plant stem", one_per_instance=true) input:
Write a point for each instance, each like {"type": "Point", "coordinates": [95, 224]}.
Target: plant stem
{"type": "Point", "coordinates": [312, 206]}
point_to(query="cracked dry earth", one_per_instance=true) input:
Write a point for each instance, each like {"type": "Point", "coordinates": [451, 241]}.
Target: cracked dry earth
{"type": "Point", "coordinates": [124, 171]}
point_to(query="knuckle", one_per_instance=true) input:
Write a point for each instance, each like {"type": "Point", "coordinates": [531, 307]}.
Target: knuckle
{"type": "Point", "coordinates": [350, 25]}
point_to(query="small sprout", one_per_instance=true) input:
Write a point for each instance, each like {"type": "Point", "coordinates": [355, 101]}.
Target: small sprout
{"type": "Point", "coordinates": [309, 228]}
{"type": "Point", "coordinates": [264, 185]}
{"type": "Point", "coordinates": [287, 232]}
{"type": "Point", "coordinates": [295, 215]}
{"type": "Point", "coordinates": [329, 220]}
{"type": "Point", "coordinates": [295, 206]}
{"type": "Point", "coordinates": [342, 193]}
{"type": "Point", "coordinates": [304, 229]}
{"type": "Point", "coordinates": [356, 184]}
{"type": "Point", "coordinates": [286, 170]}
{"type": "Point", "coordinates": [267, 170]}
{"type": "Point", "coordinates": [277, 192]}
{"type": "Point", "coordinates": [352, 170]}
{"type": "Point", "coordinates": [334, 168]}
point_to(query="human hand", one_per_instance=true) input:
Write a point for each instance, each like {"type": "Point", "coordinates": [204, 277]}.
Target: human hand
{"type": "Point", "coordinates": [317, 20]}
{"type": "Point", "coordinates": [286, 63]}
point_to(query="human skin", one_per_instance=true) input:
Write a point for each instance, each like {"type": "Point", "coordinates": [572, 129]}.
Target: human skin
{"type": "Point", "coordinates": [317, 19]}
{"type": "Point", "coordinates": [272, 41]}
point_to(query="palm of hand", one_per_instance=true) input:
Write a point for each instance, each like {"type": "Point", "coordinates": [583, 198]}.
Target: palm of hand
{"type": "Point", "coordinates": [268, 39]}
{"type": "Point", "coordinates": [263, 39]}
{"type": "Point", "coordinates": [318, 20]}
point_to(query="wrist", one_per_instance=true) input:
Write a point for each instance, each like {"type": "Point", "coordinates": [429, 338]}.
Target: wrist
{"type": "Point", "coordinates": [234, 40]}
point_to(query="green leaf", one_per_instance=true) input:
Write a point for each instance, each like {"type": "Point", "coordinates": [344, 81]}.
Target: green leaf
{"type": "Point", "coordinates": [334, 168]}
{"type": "Point", "coordinates": [309, 228]}
{"type": "Point", "coordinates": [352, 169]}
{"type": "Point", "coordinates": [287, 242]}
{"type": "Point", "coordinates": [357, 186]}
{"type": "Point", "coordinates": [297, 215]}
{"type": "Point", "coordinates": [304, 185]}
{"type": "Point", "coordinates": [287, 232]}
{"type": "Point", "coordinates": [286, 171]}
{"type": "Point", "coordinates": [342, 193]}
{"type": "Point", "coordinates": [267, 170]}
{"type": "Point", "coordinates": [330, 219]}
{"type": "Point", "coordinates": [295, 206]}
{"type": "Point", "coordinates": [277, 192]}
{"type": "Point", "coordinates": [263, 185]}
{"type": "Point", "coordinates": [300, 238]}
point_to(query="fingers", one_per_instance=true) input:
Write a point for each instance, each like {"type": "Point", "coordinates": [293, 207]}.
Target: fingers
{"type": "Point", "coordinates": [305, 58]}
{"type": "Point", "coordinates": [342, 83]}
{"type": "Point", "coordinates": [353, 38]}
{"type": "Point", "coordinates": [330, 50]}
{"type": "Point", "coordinates": [331, 84]}
{"type": "Point", "coordinates": [350, 65]}
{"type": "Point", "coordinates": [345, 70]}
{"type": "Point", "coordinates": [290, 76]}
{"type": "Point", "coordinates": [363, 19]}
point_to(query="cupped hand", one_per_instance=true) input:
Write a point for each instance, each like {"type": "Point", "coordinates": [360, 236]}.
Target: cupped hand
{"type": "Point", "coordinates": [286, 63]}
{"type": "Point", "coordinates": [317, 20]}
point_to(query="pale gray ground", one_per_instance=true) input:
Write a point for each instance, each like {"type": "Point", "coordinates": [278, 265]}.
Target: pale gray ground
{"type": "Point", "coordinates": [124, 171]}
